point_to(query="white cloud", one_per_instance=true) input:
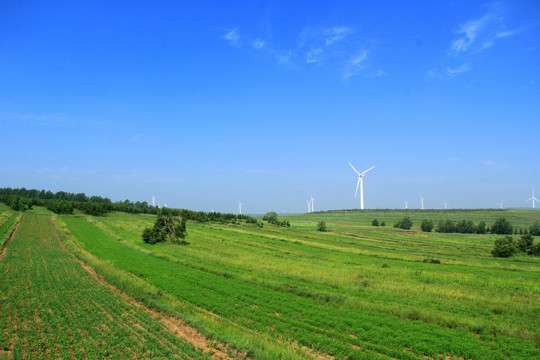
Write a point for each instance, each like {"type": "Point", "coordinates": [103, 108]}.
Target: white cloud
{"type": "Point", "coordinates": [233, 37]}
{"type": "Point", "coordinates": [356, 64]}
{"type": "Point", "coordinates": [456, 71]}
{"type": "Point", "coordinates": [258, 44]}
{"type": "Point", "coordinates": [336, 33]}
{"type": "Point", "coordinates": [314, 56]}
{"type": "Point", "coordinates": [470, 32]}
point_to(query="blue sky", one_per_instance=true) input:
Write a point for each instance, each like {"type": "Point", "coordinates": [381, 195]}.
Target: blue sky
{"type": "Point", "coordinates": [206, 103]}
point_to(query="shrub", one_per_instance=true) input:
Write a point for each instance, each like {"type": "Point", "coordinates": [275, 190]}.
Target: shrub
{"type": "Point", "coordinates": [447, 226]}
{"type": "Point", "coordinates": [504, 247]}
{"type": "Point", "coordinates": [166, 228]}
{"type": "Point", "coordinates": [535, 228]}
{"type": "Point", "coordinates": [534, 250]}
{"type": "Point", "coordinates": [432, 261]}
{"type": "Point", "coordinates": [465, 227]}
{"type": "Point", "coordinates": [502, 227]}
{"type": "Point", "coordinates": [481, 227]}
{"type": "Point", "coordinates": [383, 224]}
{"type": "Point", "coordinates": [427, 225]}
{"type": "Point", "coordinates": [525, 242]}
{"type": "Point", "coordinates": [271, 217]}
{"type": "Point", "coordinates": [374, 222]}
{"type": "Point", "coordinates": [404, 223]}
{"type": "Point", "coordinates": [321, 226]}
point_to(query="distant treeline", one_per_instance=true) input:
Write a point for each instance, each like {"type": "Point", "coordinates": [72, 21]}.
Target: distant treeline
{"type": "Point", "coordinates": [63, 202]}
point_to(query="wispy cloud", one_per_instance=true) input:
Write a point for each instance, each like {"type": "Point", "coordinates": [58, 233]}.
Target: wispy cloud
{"type": "Point", "coordinates": [233, 37]}
{"type": "Point", "coordinates": [480, 34]}
{"type": "Point", "coordinates": [258, 44]}
{"type": "Point", "coordinates": [317, 46]}
{"type": "Point", "coordinates": [335, 34]}
{"type": "Point", "coordinates": [355, 64]}
{"type": "Point", "coordinates": [314, 56]}
{"type": "Point", "coordinates": [456, 71]}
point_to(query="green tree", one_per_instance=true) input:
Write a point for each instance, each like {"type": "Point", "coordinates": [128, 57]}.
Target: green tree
{"type": "Point", "coordinates": [525, 242]}
{"type": "Point", "coordinates": [271, 217]}
{"type": "Point", "coordinates": [504, 247]}
{"type": "Point", "coordinates": [502, 227]}
{"type": "Point", "coordinates": [481, 227]}
{"type": "Point", "coordinates": [535, 228]}
{"type": "Point", "coordinates": [427, 225]}
{"type": "Point", "coordinates": [405, 223]}
{"type": "Point", "coordinates": [168, 228]}
{"type": "Point", "coordinates": [374, 222]}
{"type": "Point", "coordinates": [321, 226]}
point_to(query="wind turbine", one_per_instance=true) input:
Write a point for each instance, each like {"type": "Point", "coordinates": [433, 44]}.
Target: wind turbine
{"type": "Point", "coordinates": [533, 199]}
{"type": "Point", "coordinates": [239, 207]}
{"type": "Point", "coordinates": [422, 201]}
{"type": "Point", "coordinates": [361, 184]}
{"type": "Point", "coordinates": [308, 206]}
{"type": "Point", "coordinates": [312, 203]}
{"type": "Point", "coordinates": [501, 204]}
{"type": "Point", "coordinates": [406, 204]}
{"type": "Point", "coordinates": [153, 200]}
{"type": "Point", "coordinates": [445, 206]}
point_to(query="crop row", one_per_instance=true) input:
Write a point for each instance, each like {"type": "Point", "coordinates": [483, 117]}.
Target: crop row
{"type": "Point", "coordinates": [286, 310]}
{"type": "Point", "coordinates": [52, 308]}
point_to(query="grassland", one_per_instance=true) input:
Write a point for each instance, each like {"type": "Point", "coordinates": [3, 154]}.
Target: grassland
{"type": "Point", "coordinates": [51, 307]}
{"type": "Point", "coordinates": [356, 291]}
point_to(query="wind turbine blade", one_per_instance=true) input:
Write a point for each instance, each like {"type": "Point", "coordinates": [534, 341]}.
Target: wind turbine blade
{"type": "Point", "coordinates": [357, 185]}
{"type": "Point", "coordinates": [371, 168]}
{"type": "Point", "coordinates": [356, 171]}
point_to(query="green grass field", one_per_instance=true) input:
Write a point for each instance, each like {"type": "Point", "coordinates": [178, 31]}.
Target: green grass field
{"type": "Point", "coordinates": [52, 308]}
{"type": "Point", "coordinates": [353, 292]}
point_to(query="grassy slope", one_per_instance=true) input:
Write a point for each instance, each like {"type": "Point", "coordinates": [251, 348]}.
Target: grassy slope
{"type": "Point", "coordinates": [357, 291]}
{"type": "Point", "coordinates": [52, 308]}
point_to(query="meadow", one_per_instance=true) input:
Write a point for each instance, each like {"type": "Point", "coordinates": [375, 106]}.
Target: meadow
{"type": "Point", "coordinates": [353, 292]}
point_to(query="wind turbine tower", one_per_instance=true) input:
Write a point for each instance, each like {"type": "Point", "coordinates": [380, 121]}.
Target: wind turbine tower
{"type": "Point", "coordinates": [406, 205]}
{"type": "Point", "coordinates": [533, 199]}
{"type": "Point", "coordinates": [360, 184]}
{"type": "Point", "coordinates": [308, 206]}
{"type": "Point", "coordinates": [153, 200]}
{"type": "Point", "coordinates": [422, 202]}
{"type": "Point", "coordinates": [239, 207]}
{"type": "Point", "coordinates": [501, 204]}
{"type": "Point", "coordinates": [312, 203]}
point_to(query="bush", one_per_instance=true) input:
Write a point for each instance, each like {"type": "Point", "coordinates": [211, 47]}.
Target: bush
{"type": "Point", "coordinates": [404, 223]}
{"type": "Point", "coordinates": [534, 250]}
{"type": "Point", "coordinates": [432, 261]}
{"type": "Point", "coordinates": [525, 242]}
{"type": "Point", "coordinates": [535, 228]}
{"type": "Point", "coordinates": [481, 227]}
{"type": "Point", "coordinates": [374, 222]}
{"type": "Point", "coordinates": [504, 247]}
{"type": "Point", "coordinates": [271, 217]}
{"type": "Point", "coordinates": [383, 224]}
{"type": "Point", "coordinates": [427, 225]}
{"type": "Point", "coordinates": [502, 227]}
{"type": "Point", "coordinates": [447, 226]}
{"type": "Point", "coordinates": [166, 228]}
{"type": "Point", "coordinates": [321, 226]}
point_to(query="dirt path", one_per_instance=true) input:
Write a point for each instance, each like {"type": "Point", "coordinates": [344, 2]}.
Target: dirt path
{"type": "Point", "coordinates": [175, 325]}
{"type": "Point", "coordinates": [4, 248]}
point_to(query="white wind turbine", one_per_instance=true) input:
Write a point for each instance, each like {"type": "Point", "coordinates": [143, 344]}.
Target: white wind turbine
{"type": "Point", "coordinates": [239, 207]}
{"type": "Point", "coordinates": [422, 202]}
{"type": "Point", "coordinates": [361, 184]}
{"type": "Point", "coordinates": [533, 199]}
{"type": "Point", "coordinates": [312, 203]}
{"type": "Point", "coordinates": [501, 204]}
{"type": "Point", "coordinates": [153, 200]}
{"type": "Point", "coordinates": [406, 204]}
{"type": "Point", "coordinates": [308, 206]}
